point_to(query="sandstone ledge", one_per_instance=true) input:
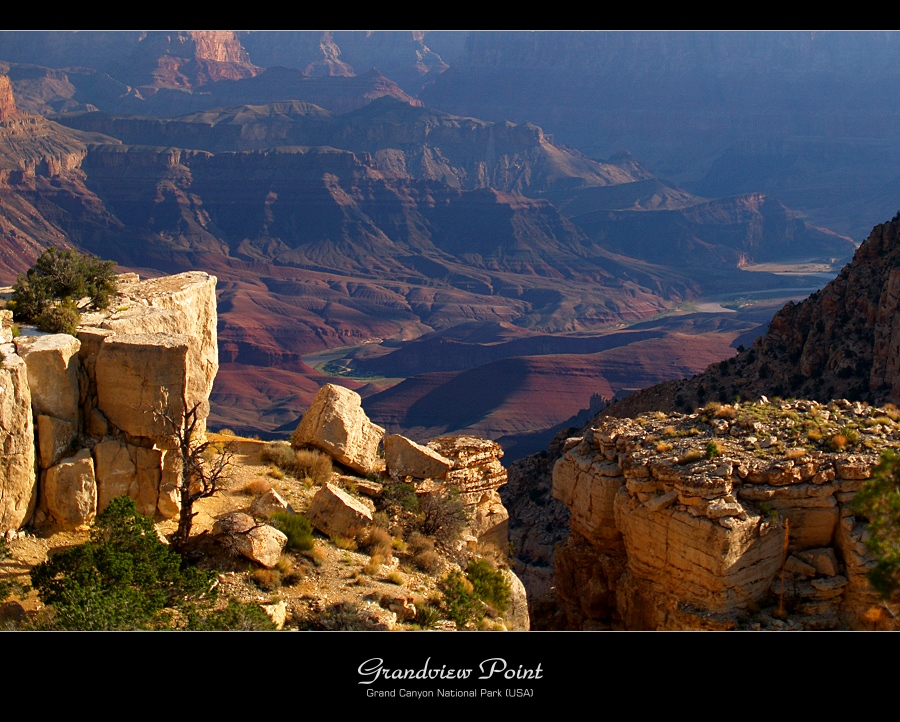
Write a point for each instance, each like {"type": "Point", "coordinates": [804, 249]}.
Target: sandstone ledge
{"type": "Point", "coordinates": [689, 516]}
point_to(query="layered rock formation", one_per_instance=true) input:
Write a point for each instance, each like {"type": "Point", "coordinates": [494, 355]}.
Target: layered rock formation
{"type": "Point", "coordinates": [740, 516]}
{"type": "Point", "coordinates": [104, 404]}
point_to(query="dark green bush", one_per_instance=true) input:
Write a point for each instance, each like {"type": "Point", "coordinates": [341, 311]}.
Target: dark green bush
{"type": "Point", "coordinates": [62, 278]}
{"type": "Point", "coordinates": [295, 527]}
{"type": "Point", "coordinates": [235, 617]}
{"type": "Point", "coordinates": [123, 578]}
{"type": "Point", "coordinates": [489, 584]}
{"type": "Point", "coordinates": [458, 601]}
{"type": "Point", "coordinates": [63, 318]}
{"type": "Point", "coordinates": [879, 502]}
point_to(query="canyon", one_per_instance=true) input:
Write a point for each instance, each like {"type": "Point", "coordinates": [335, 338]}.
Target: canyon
{"type": "Point", "coordinates": [352, 226]}
{"type": "Point", "coordinates": [459, 237]}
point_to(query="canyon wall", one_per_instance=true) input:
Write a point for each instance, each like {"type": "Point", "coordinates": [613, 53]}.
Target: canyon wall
{"type": "Point", "coordinates": [85, 419]}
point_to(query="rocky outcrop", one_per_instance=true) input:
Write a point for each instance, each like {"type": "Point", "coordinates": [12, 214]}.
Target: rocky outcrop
{"type": "Point", "coordinates": [103, 404]}
{"type": "Point", "coordinates": [739, 516]}
{"type": "Point", "coordinates": [477, 473]}
{"type": "Point", "coordinates": [337, 424]}
{"type": "Point", "coordinates": [7, 102]}
{"type": "Point", "coordinates": [18, 491]}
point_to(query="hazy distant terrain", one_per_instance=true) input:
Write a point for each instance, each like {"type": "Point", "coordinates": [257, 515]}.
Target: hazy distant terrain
{"type": "Point", "coordinates": [482, 231]}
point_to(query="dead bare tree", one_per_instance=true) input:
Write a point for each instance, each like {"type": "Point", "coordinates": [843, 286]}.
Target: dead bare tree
{"type": "Point", "coordinates": [204, 468]}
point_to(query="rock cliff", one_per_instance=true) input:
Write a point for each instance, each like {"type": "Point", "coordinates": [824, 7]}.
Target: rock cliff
{"type": "Point", "coordinates": [734, 517]}
{"type": "Point", "coordinates": [82, 419]}
{"type": "Point", "coordinates": [842, 341]}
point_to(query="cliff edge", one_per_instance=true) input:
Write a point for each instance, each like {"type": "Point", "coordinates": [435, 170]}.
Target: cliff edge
{"type": "Point", "coordinates": [82, 419]}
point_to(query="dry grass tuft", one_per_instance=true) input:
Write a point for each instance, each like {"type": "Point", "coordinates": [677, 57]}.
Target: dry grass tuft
{"type": "Point", "coordinates": [255, 488]}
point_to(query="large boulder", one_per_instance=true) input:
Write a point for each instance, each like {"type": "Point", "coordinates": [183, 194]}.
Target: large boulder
{"type": "Point", "coordinates": [52, 363]}
{"type": "Point", "coordinates": [141, 375]}
{"type": "Point", "coordinates": [18, 482]}
{"type": "Point", "coordinates": [335, 513]}
{"type": "Point", "coordinates": [55, 438]}
{"type": "Point", "coordinates": [116, 473]}
{"type": "Point", "coordinates": [337, 424]}
{"type": "Point", "coordinates": [260, 543]}
{"type": "Point", "coordinates": [69, 492]}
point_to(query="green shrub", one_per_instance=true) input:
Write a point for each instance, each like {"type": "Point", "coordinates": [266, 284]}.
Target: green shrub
{"type": "Point", "coordinates": [489, 584]}
{"type": "Point", "coordinates": [400, 496]}
{"type": "Point", "coordinates": [426, 616]}
{"type": "Point", "coordinates": [62, 276]}
{"type": "Point", "coordinates": [235, 617]}
{"type": "Point", "coordinates": [458, 601]}
{"type": "Point", "coordinates": [295, 527]}
{"type": "Point", "coordinates": [879, 502]}
{"type": "Point", "coordinates": [123, 578]}
{"type": "Point", "coordinates": [62, 318]}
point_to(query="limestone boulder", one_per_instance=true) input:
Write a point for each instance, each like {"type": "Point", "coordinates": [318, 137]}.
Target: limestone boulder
{"type": "Point", "coordinates": [335, 513]}
{"type": "Point", "coordinates": [476, 464]}
{"type": "Point", "coordinates": [267, 504]}
{"type": "Point", "coordinates": [260, 543]}
{"type": "Point", "coordinates": [6, 321]}
{"type": "Point", "coordinates": [277, 612]}
{"type": "Point", "coordinates": [139, 375]}
{"type": "Point", "coordinates": [69, 492]}
{"type": "Point", "coordinates": [169, 501]}
{"type": "Point", "coordinates": [488, 518]}
{"type": "Point", "coordinates": [697, 559]}
{"type": "Point", "coordinates": [404, 457]}
{"type": "Point", "coordinates": [52, 363]}
{"type": "Point", "coordinates": [18, 482]}
{"type": "Point", "coordinates": [337, 424]}
{"type": "Point", "coordinates": [181, 304]}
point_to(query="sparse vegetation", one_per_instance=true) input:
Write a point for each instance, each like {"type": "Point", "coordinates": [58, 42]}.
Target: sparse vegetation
{"type": "Point", "coordinates": [299, 463]}
{"type": "Point", "coordinates": [443, 515]}
{"type": "Point", "coordinates": [255, 488]}
{"type": "Point", "coordinates": [691, 456]}
{"type": "Point", "coordinates": [489, 584]}
{"type": "Point", "coordinates": [295, 527]}
{"type": "Point", "coordinates": [713, 449]}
